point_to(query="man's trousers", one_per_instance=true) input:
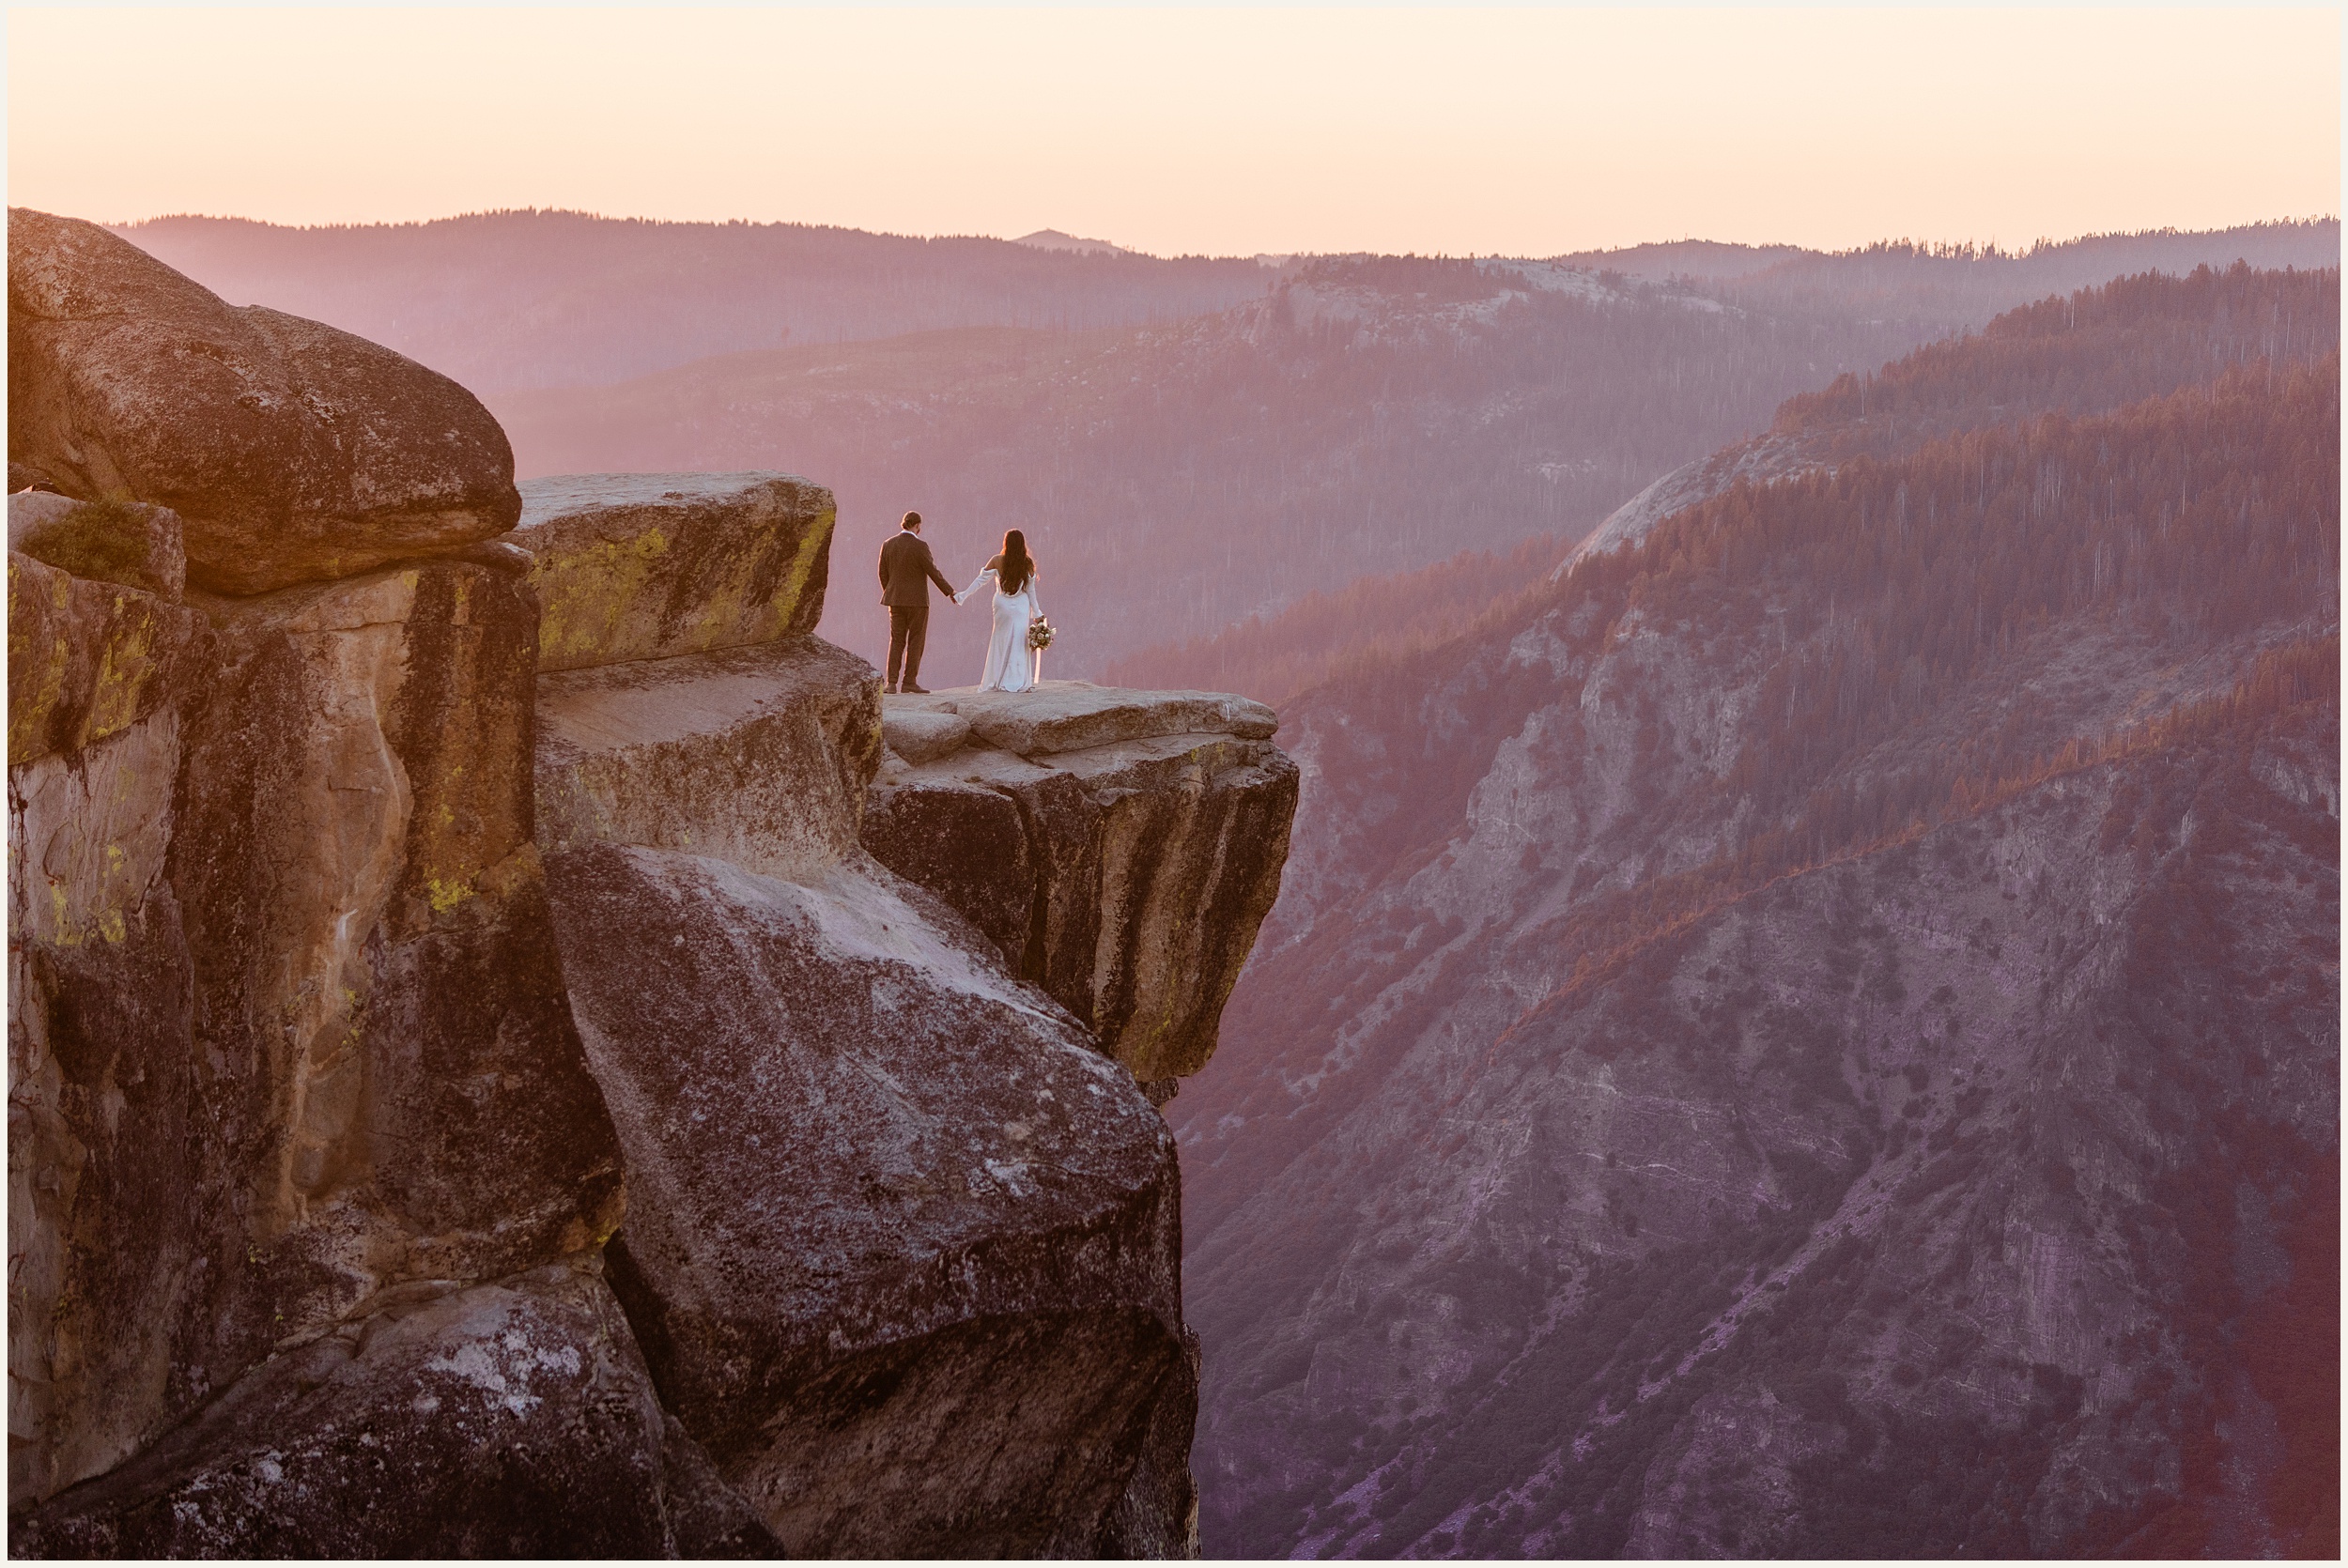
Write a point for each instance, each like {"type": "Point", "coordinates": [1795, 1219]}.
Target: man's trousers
{"type": "Point", "coordinates": [908, 628]}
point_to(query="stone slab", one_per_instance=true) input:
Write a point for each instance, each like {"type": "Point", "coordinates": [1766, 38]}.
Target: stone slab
{"type": "Point", "coordinates": [924, 737]}
{"type": "Point", "coordinates": [755, 755]}
{"type": "Point", "coordinates": [645, 566]}
{"type": "Point", "coordinates": [1074, 716]}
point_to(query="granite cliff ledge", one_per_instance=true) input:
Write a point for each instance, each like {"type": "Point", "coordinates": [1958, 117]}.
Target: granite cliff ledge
{"type": "Point", "coordinates": [1120, 848]}
{"type": "Point", "coordinates": [486, 1080]}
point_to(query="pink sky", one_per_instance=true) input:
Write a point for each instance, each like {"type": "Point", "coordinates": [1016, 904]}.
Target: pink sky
{"type": "Point", "coordinates": [1525, 131]}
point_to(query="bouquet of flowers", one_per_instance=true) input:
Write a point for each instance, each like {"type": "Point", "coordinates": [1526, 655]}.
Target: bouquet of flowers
{"type": "Point", "coordinates": [1039, 633]}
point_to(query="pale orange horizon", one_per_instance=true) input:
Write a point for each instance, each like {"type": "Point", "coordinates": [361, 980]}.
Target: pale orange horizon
{"type": "Point", "coordinates": [1527, 132]}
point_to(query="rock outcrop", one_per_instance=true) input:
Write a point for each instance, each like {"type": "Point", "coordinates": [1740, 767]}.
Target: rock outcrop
{"type": "Point", "coordinates": [905, 1247]}
{"type": "Point", "coordinates": [904, 1243]}
{"type": "Point", "coordinates": [292, 452]}
{"type": "Point", "coordinates": [288, 1034]}
{"type": "Point", "coordinates": [756, 756]}
{"type": "Point", "coordinates": [648, 567]}
{"type": "Point", "coordinates": [289, 1027]}
{"type": "Point", "coordinates": [119, 542]}
{"type": "Point", "coordinates": [1119, 848]}
{"type": "Point", "coordinates": [513, 1419]}
{"type": "Point", "coordinates": [466, 1106]}
{"type": "Point", "coordinates": [87, 658]}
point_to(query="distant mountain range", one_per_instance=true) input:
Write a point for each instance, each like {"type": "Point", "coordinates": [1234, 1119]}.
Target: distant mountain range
{"type": "Point", "coordinates": [2097, 349]}
{"type": "Point", "coordinates": [1803, 1017]}
{"type": "Point", "coordinates": [1815, 1032]}
{"type": "Point", "coordinates": [505, 301]}
{"type": "Point", "coordinates": [1189, 442]}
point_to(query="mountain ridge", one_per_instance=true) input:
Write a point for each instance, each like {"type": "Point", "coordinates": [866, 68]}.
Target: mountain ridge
{"type": "Point", "coordinates": [1729, 927]}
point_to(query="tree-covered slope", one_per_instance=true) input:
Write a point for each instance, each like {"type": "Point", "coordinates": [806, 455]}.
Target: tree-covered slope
{"type": "Point", "coordinates": [1817, 1037]}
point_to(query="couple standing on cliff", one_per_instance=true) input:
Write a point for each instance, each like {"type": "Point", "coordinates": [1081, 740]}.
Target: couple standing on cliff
{"type": "Point", "coordinates": [1014, 653]}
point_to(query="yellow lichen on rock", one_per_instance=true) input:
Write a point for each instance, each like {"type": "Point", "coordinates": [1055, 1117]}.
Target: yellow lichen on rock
{"type": "Point", "coordinates": [583, 598]}
{"type": "Point", "coordinates": [648, 567]}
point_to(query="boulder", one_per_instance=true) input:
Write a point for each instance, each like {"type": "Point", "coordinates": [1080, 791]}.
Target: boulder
{"type": "Point", "coordinates": [1127, 880]}
{"type": "Point", "coordinates": [119, 542]}
{"type": "Point", "coordinates": [1075, 715]}
{"type": "Point", "coordinates": [292, 452]}
{"type": "Point", "coordinates": [923, 736]}
{"type": "Point", "coordinates": [511, 1420]}
{"type": "Point", "coordinates": [646, 566]}
{"type": "Point", "coordinates": [903, 1249]}
{"type": "Point", "coordinates": [289, 1032]}
{"type": "Point", "coordinates": [759, 755]}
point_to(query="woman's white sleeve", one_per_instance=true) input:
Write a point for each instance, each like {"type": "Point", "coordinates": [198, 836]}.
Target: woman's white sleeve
{"type": "Point", "coordinates": [1035, 596]}
{"type": "Point", "coordinates": [984, 573]}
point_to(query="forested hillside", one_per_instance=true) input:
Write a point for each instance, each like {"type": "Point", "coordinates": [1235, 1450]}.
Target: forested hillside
{"type": "Point", "coordinates": [1939, 289]}
{"type": "Point", "coordinates": [1818, 1035]}
{"type": "Point", "coordinates": [1372, 415]}
{"type": "Point", "coordinates": [2098, 349]}
{"type": "Point", "coordinates": [1960, 280]}
{"type": "Point", "coordinates": [1382, 620]}
{"type": "Point", "coordinates": [502, 300]}
{"type": "Point", "coordinates": [1189, 442]}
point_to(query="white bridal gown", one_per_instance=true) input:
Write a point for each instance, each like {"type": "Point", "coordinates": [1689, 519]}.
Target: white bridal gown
{"type": "Point", "coordinates": [1010, 664]}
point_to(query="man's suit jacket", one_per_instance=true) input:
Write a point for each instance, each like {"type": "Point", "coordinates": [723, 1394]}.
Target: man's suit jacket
{"type": "Point", "coordinates": [906, 572]}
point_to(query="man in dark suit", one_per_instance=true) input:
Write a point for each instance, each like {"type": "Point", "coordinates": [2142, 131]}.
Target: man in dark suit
{"type": "Point", "coordinates": [906, 572]}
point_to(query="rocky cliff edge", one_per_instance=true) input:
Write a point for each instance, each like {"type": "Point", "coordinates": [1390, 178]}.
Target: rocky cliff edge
{"type": "Point", "coordinates": [493, 1081]}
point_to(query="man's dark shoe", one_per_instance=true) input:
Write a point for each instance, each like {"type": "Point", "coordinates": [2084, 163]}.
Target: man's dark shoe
{"type": "Point", "coordinates": [891, 690]}
{"type": "Point", "coordinates": [912, 690]}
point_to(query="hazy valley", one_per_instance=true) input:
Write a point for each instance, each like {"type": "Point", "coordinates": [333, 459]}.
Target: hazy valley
{"type": "Point", "coordinates": [1277, 431]}
{"type": "Point", "coordinates": [1799, 1017]}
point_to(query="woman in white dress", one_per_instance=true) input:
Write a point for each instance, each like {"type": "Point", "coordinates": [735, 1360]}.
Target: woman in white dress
{"type": "Point", "coordinates": [1010, 664]}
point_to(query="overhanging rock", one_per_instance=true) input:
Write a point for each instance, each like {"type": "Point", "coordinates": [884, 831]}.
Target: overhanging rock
{"type": "Point", "coordinates": [292, 452]}
{"type": "Point", "coordinates": [1120, 848]}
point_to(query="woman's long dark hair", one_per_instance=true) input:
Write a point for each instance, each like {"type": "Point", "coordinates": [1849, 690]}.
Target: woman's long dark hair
{"type": "Point", "coordinates": [1018, 565]}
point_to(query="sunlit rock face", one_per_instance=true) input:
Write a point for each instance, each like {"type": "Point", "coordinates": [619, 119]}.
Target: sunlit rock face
{"type": "Point", "coordinates": [291, 1029]}
{"type": "Point", "coordinates": [649, 566]}
{"type": "Point", "coordinates": [379, 990]}
{"type": "Point", "coordinates": [1119, 848]}
{"type": "Point", "coordinates": [292, 452]}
